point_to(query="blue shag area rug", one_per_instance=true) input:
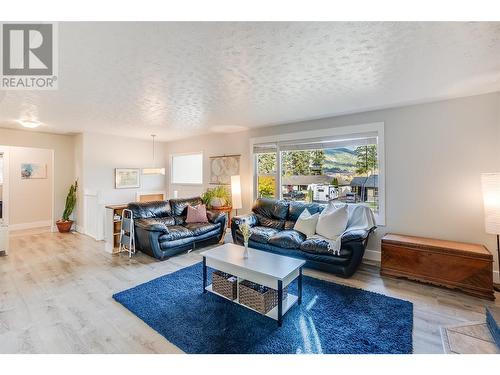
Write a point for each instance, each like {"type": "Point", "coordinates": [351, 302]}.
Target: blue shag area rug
{"type": "Point", "coordinates": [332, 319]}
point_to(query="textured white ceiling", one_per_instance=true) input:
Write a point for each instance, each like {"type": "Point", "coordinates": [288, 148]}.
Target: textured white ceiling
{"type": "Point", "coordinates": [183, 79]}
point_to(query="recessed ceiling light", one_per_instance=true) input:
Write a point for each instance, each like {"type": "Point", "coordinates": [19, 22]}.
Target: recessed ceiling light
{"type": "Point", "coordinates": [31, 124]}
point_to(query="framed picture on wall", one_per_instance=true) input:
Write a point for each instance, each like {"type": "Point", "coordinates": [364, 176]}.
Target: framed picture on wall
{"type": "Point", "coordinates": [33, 171]}
{"type": "Point", "coordinates": [223, 167]}
{"type": "Point", "coordinates": [127, 178]}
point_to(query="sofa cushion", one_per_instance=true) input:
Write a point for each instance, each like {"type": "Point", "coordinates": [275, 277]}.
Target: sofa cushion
{"type": "Point", "coordinates": [179, 206]}
{"type": "Point", "coordinates": [290, 239]}
{"type": "Point", "coordinates": [332, 222]}
{"type": "Point", "coordinates": [262, 234]}
{"type": "Point", "coordinates": [182, 243]}
{"type": "Point", "coordinates": [197, 214]}
{"type": "Point", "coordinates": [155, 223]}
{"type": "Point", "coordinates": [296, 208]}
{"type": "Point", "coordinates": [320, 246]}
{"type": "Point", "coordinates": [176, 232]}
{"type": "Point", "coordinates": [306, 223]}
{"type": "Point", "coordinates": [143, 210]}
{"type": "Point", "coordinates": [201, 228]}
{"type": "Point", "coordinates": [271, 208]}
{"type": "Point", "coordinates": [270, 223]}
{"type": "Point", "coordinates": [180, 220]}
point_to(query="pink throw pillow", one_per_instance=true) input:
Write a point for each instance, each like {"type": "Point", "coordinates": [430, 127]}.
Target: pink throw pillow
{"type": "Point", "coordinates": [197, 214]}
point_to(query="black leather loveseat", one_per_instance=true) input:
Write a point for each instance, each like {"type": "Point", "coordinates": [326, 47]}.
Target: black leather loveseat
{"type": "Point", "coordinates": [161, 230]}
{"type": "Point", "coordinates": [272, 224]}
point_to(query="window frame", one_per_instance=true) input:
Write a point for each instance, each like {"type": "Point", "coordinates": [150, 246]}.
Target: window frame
{"type": "Point", "coordinates": [172, 156]}
{"type": "Point", "coordinates": [347, 131]}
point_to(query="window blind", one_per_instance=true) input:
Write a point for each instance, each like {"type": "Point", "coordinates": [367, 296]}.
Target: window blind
{"type": "Point", "coordinates": [351, 140]}
{"type": "Point", "coordinates": [187, 169]}
{"type": "Point", "coordinates": [264, 148]}
{"type": "Point", "coordinates": [354, 140]}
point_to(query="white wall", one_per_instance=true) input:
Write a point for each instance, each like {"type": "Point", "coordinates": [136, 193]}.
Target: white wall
{"type": "Point", "coordinates": [434, 154]}
{"type": "Point", "coordinates": [30, 200]}
{"type": "Point", "coordinates": [100, 155]}
{"type": "Point", "coordinates": [63, 161]}
{"type": "Point", "coordinates": [213, 145]}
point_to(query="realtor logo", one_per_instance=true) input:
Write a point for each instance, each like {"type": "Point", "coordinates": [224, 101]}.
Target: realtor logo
{"type": "Point", "coordinates": [29, 59]}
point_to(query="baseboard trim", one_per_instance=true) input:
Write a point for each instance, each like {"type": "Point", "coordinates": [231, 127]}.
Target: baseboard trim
{"type": "Point", "coordinates": [375, 255]}
{"type": "Point", "coordinates": [35, 224]}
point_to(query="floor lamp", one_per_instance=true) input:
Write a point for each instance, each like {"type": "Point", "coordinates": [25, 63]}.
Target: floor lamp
{"type": "Point", "coordinates": [236, 193]}
{"type": "Point", "coordinates": [491, 198]}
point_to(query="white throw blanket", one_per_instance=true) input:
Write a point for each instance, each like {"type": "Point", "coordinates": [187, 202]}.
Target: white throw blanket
{"type": "Point", "coordinates": [360, 218]}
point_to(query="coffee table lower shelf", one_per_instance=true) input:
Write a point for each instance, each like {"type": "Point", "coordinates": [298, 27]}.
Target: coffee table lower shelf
{"type": "Point", "coordinates": [288, 302]}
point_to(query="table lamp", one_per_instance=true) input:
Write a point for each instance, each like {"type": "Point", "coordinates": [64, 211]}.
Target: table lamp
{"type": "Point", "coordinates": [491, 198]}
{"type": "Point", "coordinates": [236, 192]}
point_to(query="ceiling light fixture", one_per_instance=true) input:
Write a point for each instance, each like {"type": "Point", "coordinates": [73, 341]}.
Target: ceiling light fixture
{"type": "Point", "coordinates": [31, 124]}
{"type": "Point", "coordinates": [153, 170]}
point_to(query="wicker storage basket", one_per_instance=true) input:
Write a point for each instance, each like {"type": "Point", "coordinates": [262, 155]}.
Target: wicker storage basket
{"type": "Point", "coordinates": [258, 297]}
{"type": "Point", "coordinates": [225, 284]}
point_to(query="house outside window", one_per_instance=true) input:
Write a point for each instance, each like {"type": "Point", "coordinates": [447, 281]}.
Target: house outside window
{"type": "Point", "coordinates": [336, 167]}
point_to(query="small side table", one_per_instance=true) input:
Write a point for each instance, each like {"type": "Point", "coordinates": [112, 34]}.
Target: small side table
{"type": "Point", "coordinates": [227, 209]}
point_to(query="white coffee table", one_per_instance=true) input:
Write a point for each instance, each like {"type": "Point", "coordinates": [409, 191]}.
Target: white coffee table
{"type": "Point", "coordinates": [261, 267]}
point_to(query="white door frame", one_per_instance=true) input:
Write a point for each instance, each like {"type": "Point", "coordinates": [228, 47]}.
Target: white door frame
{"type": "Point", "coordinates": [5, 188]}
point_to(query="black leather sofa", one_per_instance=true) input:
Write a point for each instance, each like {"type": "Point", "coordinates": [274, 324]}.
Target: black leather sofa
{"type": "Point", "coordinates": [161, 230]}
{"type": "Point", "coordinates": [272, 224]}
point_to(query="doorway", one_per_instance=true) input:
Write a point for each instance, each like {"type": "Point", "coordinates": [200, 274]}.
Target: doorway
{"type": "Point", "coordinates": [4, 185]}
{"type": "Point", "coordinates": [27, 187]}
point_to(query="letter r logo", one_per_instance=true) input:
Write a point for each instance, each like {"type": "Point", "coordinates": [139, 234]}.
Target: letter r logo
{"type": "Point", "coordinates": [27, 49]}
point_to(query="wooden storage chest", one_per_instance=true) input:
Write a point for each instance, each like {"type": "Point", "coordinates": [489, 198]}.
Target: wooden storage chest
{"type": "Point", "coordinates": [457, 265]}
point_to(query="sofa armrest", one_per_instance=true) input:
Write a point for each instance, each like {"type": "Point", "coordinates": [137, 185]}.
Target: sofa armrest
{"type": "Point", "coordinates": [216, 217]}
{"type": "Point", "coordinates": [356, 235]}
{"type": "Point", "coordinates": [151, 225]}
{"type": "Point", "coordinates": [250, 219]}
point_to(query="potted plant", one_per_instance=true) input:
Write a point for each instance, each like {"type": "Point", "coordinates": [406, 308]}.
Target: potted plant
{"type": "Point", "coordinates": [64, 225]}
{"type": "Point", "coordinates": [218, 196]}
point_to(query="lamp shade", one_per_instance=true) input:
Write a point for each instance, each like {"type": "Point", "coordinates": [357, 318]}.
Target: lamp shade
{"type": "Point", "coordinates": [491, 198]}
{"type": "Point", "coordinates": [153, 171]}
{"type": "Point", "coordinates": [236, 192]}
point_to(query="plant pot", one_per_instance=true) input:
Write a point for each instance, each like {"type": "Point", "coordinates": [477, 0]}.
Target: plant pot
{"type": "Point", "coordinates": [64, 226]}
{"type": "Point", "coordinates": [217, 202]}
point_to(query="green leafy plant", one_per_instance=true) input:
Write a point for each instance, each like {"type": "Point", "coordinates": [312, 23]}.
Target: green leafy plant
{"type": "Point", "coordinates": [70, 201]}
{"type": "Point", "coordinates": [266, 186]}
{"type": "Point", "coordinates": [220, 192]}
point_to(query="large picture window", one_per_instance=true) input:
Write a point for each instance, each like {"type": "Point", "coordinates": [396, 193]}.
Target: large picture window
{"type": "Point", "coordinates": [343, 168]}
{"type": "Point", "coordinates": [187, 169]}
{"type": "Point", "coordinates": [266, 175]}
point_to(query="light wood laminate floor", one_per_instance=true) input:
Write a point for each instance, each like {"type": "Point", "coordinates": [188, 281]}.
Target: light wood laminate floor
{"type": "Point", "coordinates": [55, 297]}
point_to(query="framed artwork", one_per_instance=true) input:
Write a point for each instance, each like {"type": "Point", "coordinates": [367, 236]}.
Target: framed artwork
{"type": "Point", "coordinates": [31, 171]}
{"type": "Point", "coordinates": [127, 178]}
{"type": "Point", "coordinates": [223, 167]}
